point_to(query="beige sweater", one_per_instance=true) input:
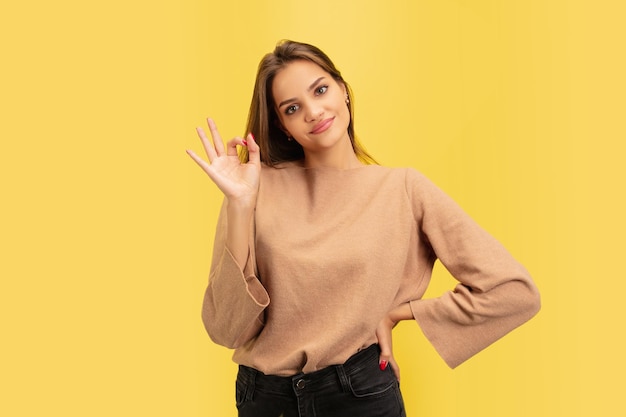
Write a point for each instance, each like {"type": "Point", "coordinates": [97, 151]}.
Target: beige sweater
{"type": "Point", "coordinates": [332, 251]}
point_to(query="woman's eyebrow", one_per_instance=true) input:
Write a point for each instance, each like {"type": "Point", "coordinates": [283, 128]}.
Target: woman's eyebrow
{"type": "Point", "coordinates": [311, 87]}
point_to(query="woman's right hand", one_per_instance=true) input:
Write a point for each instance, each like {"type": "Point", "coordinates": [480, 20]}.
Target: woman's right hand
{"type": "Point", "coordinates": [238, 181]}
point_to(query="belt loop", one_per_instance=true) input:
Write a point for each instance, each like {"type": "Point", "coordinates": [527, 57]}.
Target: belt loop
{"type": "Point", "coordinates": [343, 378]}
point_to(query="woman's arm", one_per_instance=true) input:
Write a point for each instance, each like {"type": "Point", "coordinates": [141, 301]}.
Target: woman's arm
{"type": "Point", "coordinates": [495, 293]}
{"type": "Point", "coordinates": [239, 183]}
{"type": "Point", "coordinates": [237, 234]}
{"type": "Point", "coordinates": [235, 299]}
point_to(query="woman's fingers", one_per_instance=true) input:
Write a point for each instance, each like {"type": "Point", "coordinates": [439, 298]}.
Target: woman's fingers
{"type": "Point", "coordinates": [223, 165]}
{"type": "Point", "coordinates": [395, 368]}
{"type": "Point", "coordinates": [231, 146]}
{"type": "Point", "coordinates": [384, 336]}
{"type": "Point", "coordinates": [201, 162]}
{"type": "Point", "coordinates": [209, 149]}
{"type": "Point", "coordinates": [214, 148]}
{"type": "Point", "coordinates": [254, 152]}
{"type": "Point", "coordinates": [387, 360]}
{"type": "Point", "coordinates": [217, 139]}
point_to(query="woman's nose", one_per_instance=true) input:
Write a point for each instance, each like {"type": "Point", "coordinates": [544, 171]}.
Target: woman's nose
{"type": "Point", "coordinates": [313, 113]}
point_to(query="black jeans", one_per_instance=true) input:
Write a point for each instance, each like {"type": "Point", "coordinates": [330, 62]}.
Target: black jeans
{"type": "Point", "coordinates": [357, 388]}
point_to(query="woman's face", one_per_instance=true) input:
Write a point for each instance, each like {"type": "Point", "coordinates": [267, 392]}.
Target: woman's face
{"type": "Point", "coordinates": [311, 106]}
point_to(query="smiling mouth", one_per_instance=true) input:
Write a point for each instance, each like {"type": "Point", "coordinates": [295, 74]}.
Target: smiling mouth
{"type": "Point", "coordinates": [322, 126]}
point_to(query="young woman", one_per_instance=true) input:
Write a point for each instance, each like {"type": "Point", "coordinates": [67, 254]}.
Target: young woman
{"type": "Point", "coordinates": [319, 253]}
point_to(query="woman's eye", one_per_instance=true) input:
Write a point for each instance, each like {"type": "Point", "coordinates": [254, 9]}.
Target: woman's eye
{"type": "Point", "coordinates": [291, 109]}
{"type": "Point", "coordinates": [321, 90]}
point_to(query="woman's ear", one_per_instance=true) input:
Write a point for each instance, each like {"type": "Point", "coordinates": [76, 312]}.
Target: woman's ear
{"type": "Point", "coordinates": [345, 92]}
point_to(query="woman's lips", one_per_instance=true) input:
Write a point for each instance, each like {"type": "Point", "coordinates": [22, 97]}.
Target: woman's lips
{"type": "Point", "coordinates": [322, 126]}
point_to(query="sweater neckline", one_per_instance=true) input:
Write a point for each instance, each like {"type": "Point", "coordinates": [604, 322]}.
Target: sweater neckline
{"type": "Point", "coordinates": [299, 166]}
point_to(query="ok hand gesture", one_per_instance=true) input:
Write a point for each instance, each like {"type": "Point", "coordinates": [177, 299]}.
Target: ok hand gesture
{"type": "Point", "coordinates": [238, 181]}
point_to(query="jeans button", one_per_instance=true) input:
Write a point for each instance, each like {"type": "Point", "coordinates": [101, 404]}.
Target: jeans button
{"type": "Point", "coordinates": [300, 384]}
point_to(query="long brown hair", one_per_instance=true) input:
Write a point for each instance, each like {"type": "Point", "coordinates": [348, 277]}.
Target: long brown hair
{"type": "Point", "coordinates": [263, 121]}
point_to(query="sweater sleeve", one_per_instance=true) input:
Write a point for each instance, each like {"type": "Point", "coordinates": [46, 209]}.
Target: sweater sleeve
{"type": "Point", "coordinates": [235, 300]}
{"type": "Point", "coordinates": [495, 293]}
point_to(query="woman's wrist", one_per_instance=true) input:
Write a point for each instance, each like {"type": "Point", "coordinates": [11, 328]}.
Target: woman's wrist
{"type": "Point", "coordinates": [241, 205]}
{"type": "Point", "coordinates": [401, 312]}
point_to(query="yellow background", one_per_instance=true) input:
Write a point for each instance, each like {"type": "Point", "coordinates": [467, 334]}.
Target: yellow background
{"type": "Point", "coordinates": [515, 108]}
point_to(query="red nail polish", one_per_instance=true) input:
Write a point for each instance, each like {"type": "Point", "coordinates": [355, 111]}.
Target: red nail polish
{"type": "Point", "coordinates": [245, 142]}
{"type": "Point", "coordinates": [383, 365]}
{"type": "Point", "coordinates": [253, 138]}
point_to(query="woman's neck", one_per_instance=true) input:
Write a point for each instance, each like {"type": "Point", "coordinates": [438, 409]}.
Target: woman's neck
{"type": "Point", "coordinates": [342, 157]}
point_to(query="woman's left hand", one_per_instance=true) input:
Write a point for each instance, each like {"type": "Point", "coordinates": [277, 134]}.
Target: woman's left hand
{"type": "Point", "coordinates": [383, 333]}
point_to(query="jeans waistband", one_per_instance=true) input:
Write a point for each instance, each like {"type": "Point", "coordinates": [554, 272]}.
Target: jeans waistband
{"type": "Point", "coordinates": [330, 376]}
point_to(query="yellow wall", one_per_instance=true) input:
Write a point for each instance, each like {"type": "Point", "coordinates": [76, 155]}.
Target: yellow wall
{"type": "Point", "coordinates": [515, 108]}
